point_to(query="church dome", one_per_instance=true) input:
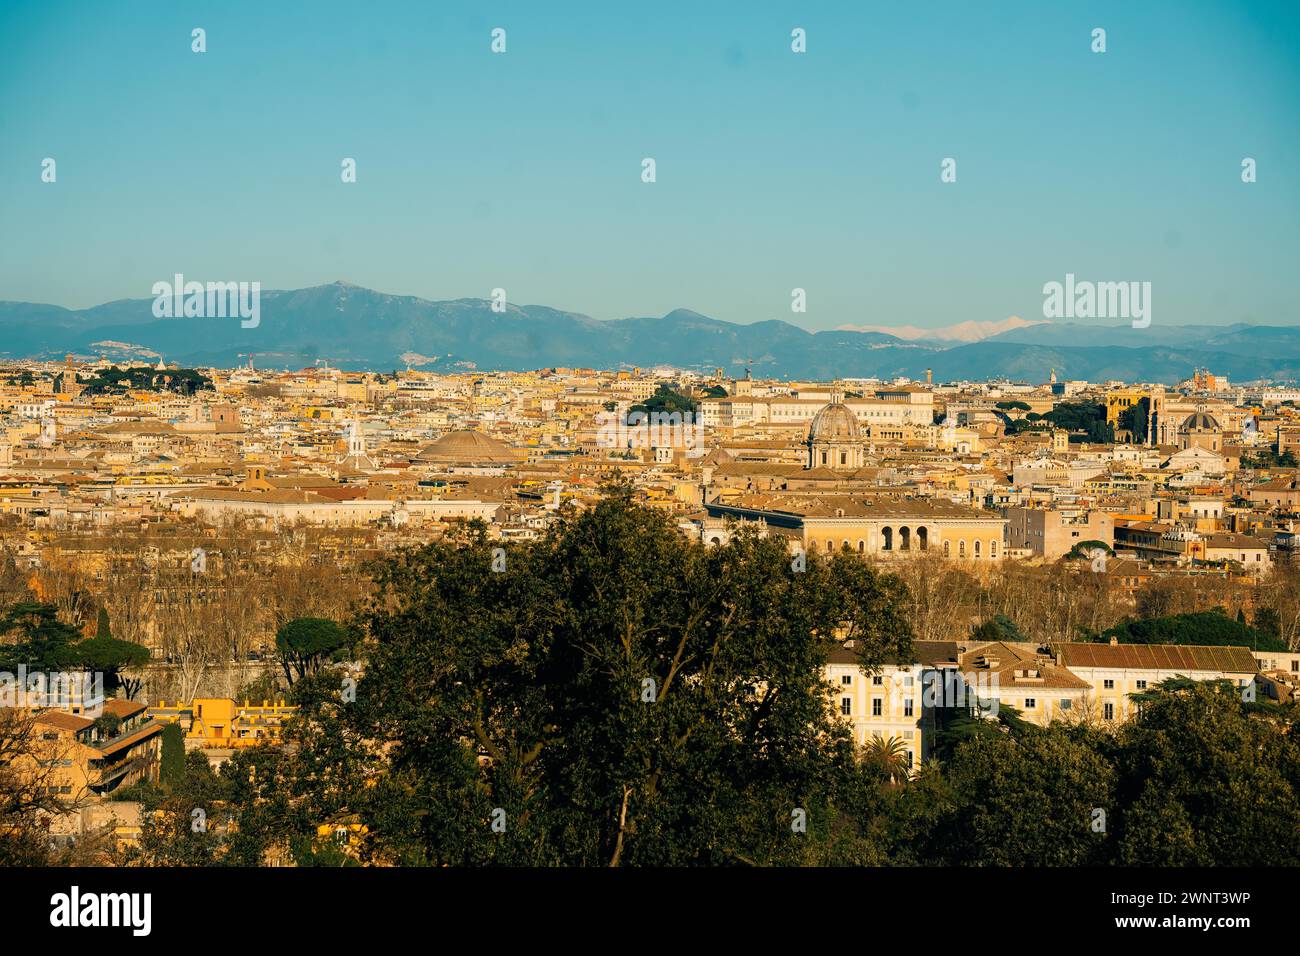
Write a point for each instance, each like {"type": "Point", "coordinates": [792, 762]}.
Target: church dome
{"type": "Point", "coordinates": [833, 422]}
{"type": "Point", "coordinates": [1200, 422]}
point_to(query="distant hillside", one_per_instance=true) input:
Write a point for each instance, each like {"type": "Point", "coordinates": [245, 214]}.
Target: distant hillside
{"type": "Point", "coordinates": [354, 327]}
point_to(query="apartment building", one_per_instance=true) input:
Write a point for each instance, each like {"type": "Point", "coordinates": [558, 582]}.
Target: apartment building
{"type": "Point", "coordinates": [1114, 671]}
{"type": "Point", "coordinates": [891, 703]}
{"type": "Point", "coordinates": [1024, 677]}
{"type": "Point", "coordinates": [219, 722]}
{"type": "Point", "coordinates": [1050, 533]}
{"type": "Point", "coordinates": [88, 758]}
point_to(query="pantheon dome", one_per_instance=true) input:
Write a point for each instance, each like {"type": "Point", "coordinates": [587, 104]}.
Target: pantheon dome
{"type": "Point", "coordinates": [471, 448]}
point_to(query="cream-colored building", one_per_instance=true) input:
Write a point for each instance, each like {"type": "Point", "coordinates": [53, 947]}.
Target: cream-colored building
{"type": "Point", "coordinates": [1024, 677]}
{"type": "Point", "coordinates": [1051, 533]}
{"type": "Point", "coordinates": [890, 703]}
{"type": "Point", "coordinates": [1114, 671]}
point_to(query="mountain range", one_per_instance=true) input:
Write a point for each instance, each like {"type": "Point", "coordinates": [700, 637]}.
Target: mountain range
{"type": "Point", "coordinates": [354, 328]}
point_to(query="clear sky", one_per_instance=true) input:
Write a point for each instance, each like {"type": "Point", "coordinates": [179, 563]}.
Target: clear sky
{"type": "Point", "coordinates": [775, 170]}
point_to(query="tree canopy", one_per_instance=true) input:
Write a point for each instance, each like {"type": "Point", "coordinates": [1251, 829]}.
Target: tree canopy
{"type": "Point", "coordinates": [1198, 627]}
{"type": "Point", "coordinates": [306, 642]}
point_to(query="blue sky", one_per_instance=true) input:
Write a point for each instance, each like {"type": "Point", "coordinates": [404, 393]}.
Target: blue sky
{"type": "Point", "coordinates": [775, 170]}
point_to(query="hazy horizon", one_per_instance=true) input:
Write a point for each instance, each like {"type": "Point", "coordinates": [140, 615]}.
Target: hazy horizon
{"type": "Point", "coordinates": [794, 319]}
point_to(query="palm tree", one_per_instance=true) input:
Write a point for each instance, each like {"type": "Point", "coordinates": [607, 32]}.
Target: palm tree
{"type": "Point", "coordinates": [889, 757]}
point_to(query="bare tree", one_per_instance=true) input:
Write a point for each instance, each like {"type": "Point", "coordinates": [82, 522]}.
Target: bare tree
{"type": "Point", "coordinates": [28, 788]}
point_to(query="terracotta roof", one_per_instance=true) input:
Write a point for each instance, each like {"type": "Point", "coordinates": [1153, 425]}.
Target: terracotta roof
{"type": "Point", "coordinates": [123, 708]}
{"type": "Point", "coordinates": [936, 652]}
{"type": "Point", "coordinates": [1170, 657]}
{"type": "Point", "coordinates": [57, 718]}
{"type": "Point", "coordinates": [827, 506]}
{"type": "Point", "coordinates": [929, 653]}
{"type": "Point", "coordinates": [1020, 669]}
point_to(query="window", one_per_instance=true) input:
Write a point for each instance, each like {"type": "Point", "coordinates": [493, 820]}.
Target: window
{"type": "Point", "coordinates": [877, 679]}
{"type": "Point", "coordinates": [907, 707]}
{"type": "Point", "coordinates": [1141, 685]}
{"type": "Point", "coordinates": [1030, 703]}
{"type": "Point", "coordinates": [846, 706]}
{"type": "Point", "coordinates": [961, 549]}
{"type": "Point", "coordinates": [1295, 665]}
{"type": "Point", "coordinates": [1066, 704]}
{"type": "Point", "coordinates": [1108, 711]}
{"type": "Point", "coordinates": [977, 549]}
{"type": "Point", "coordinates": [947, 549]}
{"type": "Point", "coordinates": [846, 679]}
{"type": "Point", "coordinates": [1108, 684]}
{"type": "Point", "coordinates": [877, 706]}
{"type": "Point", "coordinates": [993, 548]}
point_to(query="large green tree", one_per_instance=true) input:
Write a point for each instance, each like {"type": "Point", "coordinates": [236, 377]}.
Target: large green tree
{"type": "Point", "coordinates": [305, 643]}
{"type": "Point", "coordinates": [612, 694]}
{"type": "Point", "coordinates": [1205, 779]}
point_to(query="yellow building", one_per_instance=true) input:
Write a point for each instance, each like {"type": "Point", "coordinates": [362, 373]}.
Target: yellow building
{"type": "Point", "coordinates": [1121, 400]}
{"type": "Point", "coordinates": [891, 702]}
{"type": "Point", "coordinates": [82, 759]}
{"type": "Point", "coordinates": [219, 722]}
{"type": "Point", "coordinates": [887, 528]}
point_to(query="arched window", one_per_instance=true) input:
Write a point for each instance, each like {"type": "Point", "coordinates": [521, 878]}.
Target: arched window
{"type": "Point", "coordinates": [993, 548]}
{"type": "Point", "coordinates": [947, 549]}
{"type": "Point", "coordinates": [862, 546]}
{"type": "Point", "coordinates": [888, 535]}
{"type": "Point", "coordinates": [977, 548]}
{"type": "Point", "coordinates": [923, 539]}
{"type": "Point", "coordinates": [961, 549]}
{"type": "Point", "coordinates": [847, 546]}
{"type": "Point", "coordinates": [905, 539]}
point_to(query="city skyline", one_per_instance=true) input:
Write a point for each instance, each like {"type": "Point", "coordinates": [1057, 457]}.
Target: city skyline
{"type": "Point", "coordinates": [840, 438]}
